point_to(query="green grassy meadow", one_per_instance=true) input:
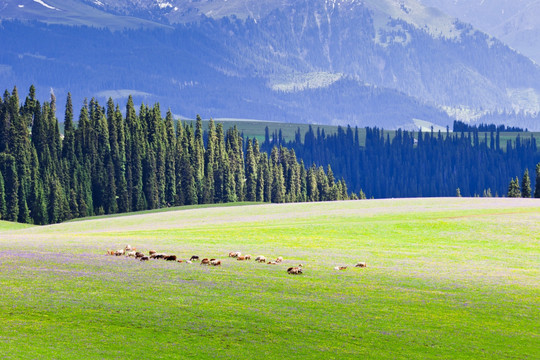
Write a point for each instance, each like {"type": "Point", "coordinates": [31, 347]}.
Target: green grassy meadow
{"type": "Point", "coordinates": [452, 278]}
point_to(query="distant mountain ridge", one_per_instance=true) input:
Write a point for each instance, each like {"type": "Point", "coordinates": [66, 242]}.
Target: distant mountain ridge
{"type": "Point", "coordinates": [515, 22]}
{"type": "Point", "coordinates": [377, 62]}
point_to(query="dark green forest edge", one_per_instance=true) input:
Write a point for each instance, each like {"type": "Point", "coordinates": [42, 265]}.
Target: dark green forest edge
{"type": "Point", "coordinates": [424, 164]}
{"type": "Point", "coordinates": [113, 164]}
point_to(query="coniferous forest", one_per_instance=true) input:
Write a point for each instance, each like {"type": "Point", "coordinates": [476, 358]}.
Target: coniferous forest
{"type": "Point", "coordinates": [410, 164]}
{"type": "Point", "coordinates": [113, 163]}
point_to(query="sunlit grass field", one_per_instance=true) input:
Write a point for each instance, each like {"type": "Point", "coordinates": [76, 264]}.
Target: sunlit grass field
{"type": "Point", "coordinates": [446, 279]}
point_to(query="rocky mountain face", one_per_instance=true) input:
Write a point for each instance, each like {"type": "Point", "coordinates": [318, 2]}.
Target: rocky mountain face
{"type": "Point", "coordinates": [390, 63]}
{"type": "Point", "coordinates": [514, 22]}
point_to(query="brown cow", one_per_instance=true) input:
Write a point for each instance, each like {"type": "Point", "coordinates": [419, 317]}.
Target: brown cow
{"type": "Point", "coordinates": [205, 261]}
{"type": "Point", "coordinates": [152, 252]}
{"type": "Point", "coordinates": [194, 258]}
{"type": "Point", "coordinates": [138, 254]}
{"type": "Point", "coordinates": [340, 268]}
{"type": "Point", "coordinates": [215, 262]}
{"type": "Point", "coordinates": [248, 257]}
{"type": "Point", "coordinates": [279, 259]}
{"type": "Point", "coordinates": [240, 258]}
{"type": "Point", "coordinates": [144, 258]}
{"type": "Point", "coordinates": [294, 271]}
{"type": "Point", "coordinates": [169, 257]}
{"type": "Point", "coordinates": [260, 258]}
{"type": "Point", "coordinates": [360, 264]}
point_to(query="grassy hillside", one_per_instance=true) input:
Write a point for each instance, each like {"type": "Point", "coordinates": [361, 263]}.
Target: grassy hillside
{"type": "Point", "coordinates": [446, 278]}
{"type": "Point", "coordinates": [7, 225]}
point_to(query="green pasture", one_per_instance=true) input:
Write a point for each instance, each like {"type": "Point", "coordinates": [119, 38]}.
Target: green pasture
{"type": "Point", "coordinates": [446, 279]}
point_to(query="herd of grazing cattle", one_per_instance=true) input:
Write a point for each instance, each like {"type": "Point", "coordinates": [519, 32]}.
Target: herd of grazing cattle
{"type": "Point", "coordinates": [130, 251]}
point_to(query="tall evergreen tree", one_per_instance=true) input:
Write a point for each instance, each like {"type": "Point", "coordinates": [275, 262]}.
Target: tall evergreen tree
{"type": "Point", "coordinates": [170, 160]}
{"type": "Point", "coordinates": [219, 167]}
{"type": "Point", "coordinates": [251, 173]}
{"type": "Point", "coordinates": [513, 189]}
{"type": "Point", "coordinates": [278, 185]}
{"type": "Point", "coordinates": [2, 197]}
{"type": "Point", "coordinates": [209, 164]}
{"type": "Point", "coordinates": [119, 160]}
{"type": "Point", "coordinates": [11, 186]}
{"type": "Point", "coordinates": [526, 185]}
{"type": "Point", "coordinates": [537, 182]}
{"type": "Point", "coordinates": [198, 159]}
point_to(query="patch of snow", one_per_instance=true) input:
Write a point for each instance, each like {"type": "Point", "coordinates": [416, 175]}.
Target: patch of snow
{"type": "Point", "coordinates": [300, 82]}
{"type": "Point", "coordinates": [46, 5]}
{"type": "Point", "coordinates": [98, 3]}
{"type": "Point", "coordinates": [525, 99]}
{"type": "Point", "coordinates": [464, 113]}
{"type": "Point", "coordinates": [21, 6]}
{"type": "Point", "coordinates": [426, 126]}
{"type": "Point", "coordinates": [164, 5]}
{"type": "Point", "coordinates": [430, 20]}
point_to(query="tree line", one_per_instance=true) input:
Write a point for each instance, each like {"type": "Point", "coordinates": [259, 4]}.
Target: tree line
{"type": "Point", "coordinates": [410, 164]}
{"type": "Point", "coordinates": [460, 126]}
{"type": "Point", "coordinates": [108, 162]}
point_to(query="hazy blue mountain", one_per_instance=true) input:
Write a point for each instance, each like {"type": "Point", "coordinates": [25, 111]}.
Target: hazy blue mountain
{"type": "Point", "coordinates": [378, 62]}
{"type": "Point", "coordinates": [515, 22]}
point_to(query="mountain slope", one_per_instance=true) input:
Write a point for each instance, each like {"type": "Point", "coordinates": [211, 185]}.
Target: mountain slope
{"type": "Point", "coordinates": [382, 63]}
{"type": "Point", "coordinates": [516, 22]}
{"type": "Point", "coordinates": [69, 12]}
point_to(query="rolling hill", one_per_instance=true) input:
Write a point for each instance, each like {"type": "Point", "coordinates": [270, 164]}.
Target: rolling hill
{"type": "Point", "coordinates": [446, 278]}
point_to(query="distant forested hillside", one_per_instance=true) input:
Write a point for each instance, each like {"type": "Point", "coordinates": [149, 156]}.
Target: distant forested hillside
{"type": "Point", "coordinates": [424, 164]}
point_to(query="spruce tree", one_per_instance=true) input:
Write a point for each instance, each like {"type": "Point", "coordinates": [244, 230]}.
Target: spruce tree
{"type": "Point", "coordinates": [198, 159]}
{"type": "Point", "coordinates": [312, 186]}
{"type": "Point", "coordinates": [11, 186]}
{"type": "Point", "coordinates": [526, 185]}
{"type": "Point", "coordinates": [39, 208]}
{"type": "Point", "coordinates": [322, 184]}
{"type": "Point", "coordinates": [278, 186]}
{"type": "Point", "coordinates": [229, 181]}
{"type": "Point", "coordinates": [2, 198]}
{"type": "Point", "coordinates": [513, 189]}
{"type": "Point", "coordinates": [219, 168]}
{"type": "Point", "coordinates": [251, 173]}
{"type": "Point", "coordinates": [537, 182]}
{"type": "Point", "coordinates": [150, 180]}
{"type": "Point", "coordinates": [119, 160]}
{"type": "Point", "coordinates": [210, 164]}
{"type": "Point", "coordinates": [170, 160]}
{"type": "Point", "coordinates": [268, 173]}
